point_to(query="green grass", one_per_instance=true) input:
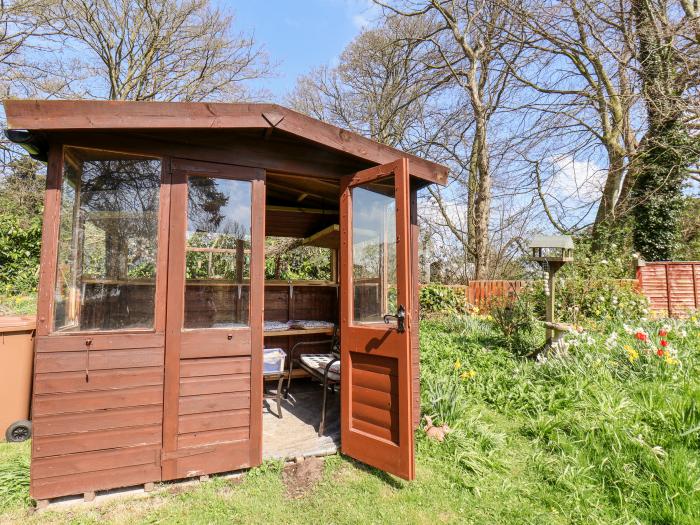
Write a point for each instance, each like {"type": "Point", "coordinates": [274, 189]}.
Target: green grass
{"type": "Point", "coordinates": [596, 437]}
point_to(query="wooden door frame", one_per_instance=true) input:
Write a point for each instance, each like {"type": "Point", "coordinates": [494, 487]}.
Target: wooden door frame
{"type": "Point", "coordinates": [179, 169]}
{"type": "Point", "coordinates": [405, 296]}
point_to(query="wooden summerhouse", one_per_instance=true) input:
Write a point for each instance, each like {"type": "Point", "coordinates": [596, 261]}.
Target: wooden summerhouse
{"type": "Point", "coordinates": [153, 299]}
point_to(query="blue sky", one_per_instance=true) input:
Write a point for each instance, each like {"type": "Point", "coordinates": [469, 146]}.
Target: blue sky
{"type": "Point", "coordinates": [300, 34]}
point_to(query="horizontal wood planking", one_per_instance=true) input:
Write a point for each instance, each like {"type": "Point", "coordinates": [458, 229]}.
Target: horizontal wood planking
{"type": "Point", "coordinates": [374, 430]}
{"type": "Point", "coordinates": [99, 420]}
{"type": "Point", "coordinates": [192, 386]}
{"type": "Point", "coordinates": [214, 366]}
{"type": "Point", "coordinates": [222, 458]}
{"type": "Point", "coordinates": [49, 404]}
{"type": "Point", "coordinates": [99, 380]}
{"type": "Point", "coordinates": [97, 439]}
{"type": "Point", "coordinates": [213, 421]}
{"type": "Point", "coordinates": [99, 431]}
{"type": "Point", "coordinates": [214, 343]}
{"type": "Point", "coordinates": [200, 404]}
{"type": "Point", "coordinates": [72, 464]}
{"type": "Point", "coordinates": [98, 360]}
{"type": "Point", "coordinates": [114, 341]}
{"type": "Point", "coordinates": [194, 439]}
{"type": "Point", "coordinates": [374, 402]}
{"type": "Point", "coordinates": [91, 481]}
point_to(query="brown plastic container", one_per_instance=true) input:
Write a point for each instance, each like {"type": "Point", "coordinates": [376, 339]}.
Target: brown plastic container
{"type": "Point", "coordinates": [16, 364]}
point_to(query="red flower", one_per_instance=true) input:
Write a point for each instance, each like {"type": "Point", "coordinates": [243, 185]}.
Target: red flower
{"type": "Point", "coordinates": [664, 342]}
{"type": "Point", "coordinates": [660, 352]}
{"type": "Point", "coordinates": [641, 336]}
{"type": "Point", "coordinates": [663, 333]}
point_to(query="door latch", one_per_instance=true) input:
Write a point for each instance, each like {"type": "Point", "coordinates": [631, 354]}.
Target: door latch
{"type": "Point", "coordinates": [400, 319]}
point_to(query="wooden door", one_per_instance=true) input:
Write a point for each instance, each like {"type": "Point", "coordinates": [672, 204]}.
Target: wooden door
{"type": "Point", "coordinates": [213, 377]}
{"type": "Point", "coordinates": [376, 374]}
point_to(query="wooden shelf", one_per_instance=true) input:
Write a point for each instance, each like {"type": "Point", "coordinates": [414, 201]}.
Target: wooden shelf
{"type": "Point", "coordinates": [310, 331]}
{"type": "Point", "coordinates": [326, 238]}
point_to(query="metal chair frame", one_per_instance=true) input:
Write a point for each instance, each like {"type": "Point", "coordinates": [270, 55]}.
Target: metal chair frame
{"type": "Point", "coordinates": [327, 382]}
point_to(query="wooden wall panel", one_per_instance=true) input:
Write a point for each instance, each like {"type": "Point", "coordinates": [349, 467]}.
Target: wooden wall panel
{"type": "Point", "coordinates": [277, 303]}
{"type": "Point", "coordinates": [214, 401]}
{"type": "Point", "coordinates": [97, 414]}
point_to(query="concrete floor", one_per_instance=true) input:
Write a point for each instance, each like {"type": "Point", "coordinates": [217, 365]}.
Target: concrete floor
{"type": "Point", "coordinates": [296, 433]}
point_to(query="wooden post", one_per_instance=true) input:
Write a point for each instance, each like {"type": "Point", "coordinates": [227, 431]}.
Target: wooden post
{"type": "Point", "coordinates": [549, 306]}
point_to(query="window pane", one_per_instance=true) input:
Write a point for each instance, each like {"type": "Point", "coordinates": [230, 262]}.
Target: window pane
{"type": "Point", "coordinates": [217, 264]}
{"type": "Point", "coordinates": [107, 246]}
{"type": "Point", "coordinates": [374, 251]}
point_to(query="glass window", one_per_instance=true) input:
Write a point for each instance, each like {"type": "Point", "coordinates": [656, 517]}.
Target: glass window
{"type": "Point", "coordinates": [108, 241]}
{"type": "Point", "coordinates": [217, 264]}
{"type": "Point", "coordinates": [374, 251]}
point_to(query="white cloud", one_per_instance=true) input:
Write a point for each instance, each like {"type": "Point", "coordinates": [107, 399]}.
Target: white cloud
{"type": "Point", "coordinates": [575, 179]}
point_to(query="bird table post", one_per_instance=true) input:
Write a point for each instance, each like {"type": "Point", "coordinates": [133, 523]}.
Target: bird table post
{"type": "Point", "coordinates": [551, 252]}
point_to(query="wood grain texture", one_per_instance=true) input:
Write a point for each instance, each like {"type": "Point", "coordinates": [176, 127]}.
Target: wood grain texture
{"type": "Point", "coordinates": [95, 440]}
{"type": "Point", "coordinates": [377, 404]}
{"type": "Point", "coordinates": [62, 382]}
{"type": "Point", "coordinates": [57, 486]}
{"type": "Point", "coordinates": [111, 115]}
{"type": "Point", "coordinates": [49, 239]}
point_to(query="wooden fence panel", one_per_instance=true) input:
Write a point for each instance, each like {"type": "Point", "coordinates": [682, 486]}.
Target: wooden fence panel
{"type": "Point", "coordinates": [673, 288]}
{"type": "Point", "coordinates": [482, 293]}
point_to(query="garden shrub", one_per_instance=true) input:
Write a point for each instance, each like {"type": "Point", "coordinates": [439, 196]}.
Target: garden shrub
{"type": "Point", "coordinates": [517, 322]}
{"type": "Point", "coordinates": [20, 246]}
{"type": "Point", "coordinates": [438, 298]}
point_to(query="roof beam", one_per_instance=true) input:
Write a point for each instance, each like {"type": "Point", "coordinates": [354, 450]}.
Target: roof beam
{"type": "Point", "coordinates": [49, 115]}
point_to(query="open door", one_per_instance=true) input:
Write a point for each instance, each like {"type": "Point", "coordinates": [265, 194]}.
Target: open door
{"type": "Point", "coordinates": [375, 321]}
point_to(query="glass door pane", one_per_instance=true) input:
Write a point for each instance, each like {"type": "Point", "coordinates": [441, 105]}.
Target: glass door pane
{"type": "Point", "coordinates": [217, 264]}
{"type": "Point", "coordinates": [374, 251]}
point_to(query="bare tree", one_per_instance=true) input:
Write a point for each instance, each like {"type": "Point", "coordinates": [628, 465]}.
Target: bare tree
{"type": "Point", "coordinates": [472, 39]}
{"type": "Point", "coordinates": [579, 58]}
{"type": "Point", "coordinates": [380, 87]}
{"type": "Point", "coordinates": [157, 49]}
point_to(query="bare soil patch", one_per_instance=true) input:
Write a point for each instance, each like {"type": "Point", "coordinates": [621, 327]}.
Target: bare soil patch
{"type": "Point", "coordinates": [301, 478]}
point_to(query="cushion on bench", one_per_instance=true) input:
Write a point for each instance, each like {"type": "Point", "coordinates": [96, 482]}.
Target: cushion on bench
{"type": "Point", "coordinates": [319, 362]}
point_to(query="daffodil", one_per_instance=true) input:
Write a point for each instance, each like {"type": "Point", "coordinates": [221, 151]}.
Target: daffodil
{"type": "Point", "coordinates": [632, 354]}
{"type": "Point", "coordinates": [468, 374]}
{"type": "Point", "coordinates": [458, 364]}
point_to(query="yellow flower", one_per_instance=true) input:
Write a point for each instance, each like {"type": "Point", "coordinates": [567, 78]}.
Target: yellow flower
{"type": "Point", "coordinates": [632, 354]}
{"type": "Point", "coordinates": [470, 374]}
{"type": "Point", "coordinates": [458, 365]}
{"type": "Point", "coordinates": [671, 361]}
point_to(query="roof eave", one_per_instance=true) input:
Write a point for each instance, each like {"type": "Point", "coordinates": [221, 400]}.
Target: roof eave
{"type": "Point", "coordinates": [75, 115]}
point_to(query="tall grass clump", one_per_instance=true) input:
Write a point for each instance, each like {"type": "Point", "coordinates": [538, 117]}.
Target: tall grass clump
{"type": "Point", "coordinates": [14, 480]}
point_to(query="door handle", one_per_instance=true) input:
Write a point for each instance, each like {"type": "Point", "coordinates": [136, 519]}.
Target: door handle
{"type": "Point", "coordinates": [400, 319]}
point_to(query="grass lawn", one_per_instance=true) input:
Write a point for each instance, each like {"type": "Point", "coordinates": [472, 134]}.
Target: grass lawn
{"type": "Point", "coordinates": [609, 434]}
